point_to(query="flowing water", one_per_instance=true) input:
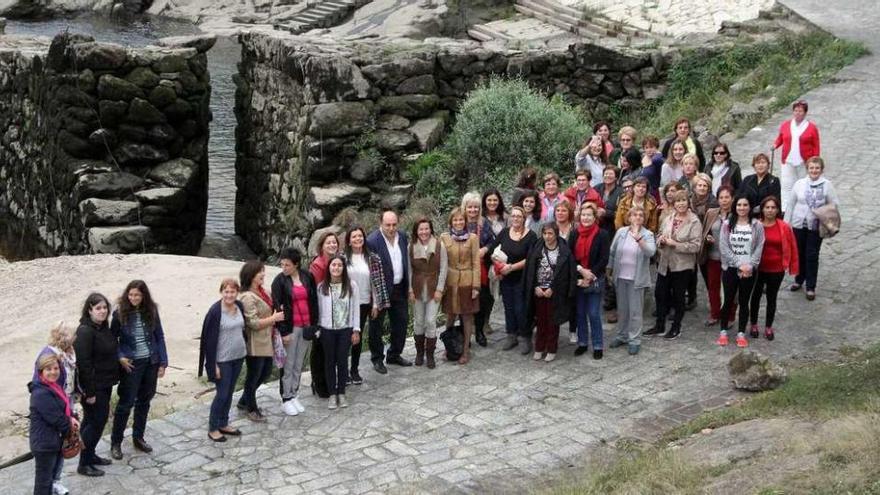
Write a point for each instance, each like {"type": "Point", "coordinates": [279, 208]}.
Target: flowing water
{"type": "Point", "coordinates": [222, 64]}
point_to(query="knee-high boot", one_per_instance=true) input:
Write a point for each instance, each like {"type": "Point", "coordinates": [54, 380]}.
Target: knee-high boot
{"type": "Point", "coordinates": [430, 345]}
{"type": "Point", "coordinates": [420, 350]}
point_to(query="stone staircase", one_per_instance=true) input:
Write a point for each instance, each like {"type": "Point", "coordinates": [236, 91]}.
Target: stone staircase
{"type": "Point", "coordinates": [319, 15]}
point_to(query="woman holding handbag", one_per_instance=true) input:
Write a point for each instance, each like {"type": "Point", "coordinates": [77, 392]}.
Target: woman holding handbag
{"type": "Point", "coordinates": [51, 420]}
{"type": "Point", "coordinates": [509, 252]}
{"type": "Point", "coordinates": [807, 195]}
{"type": "Point", "coordinates": [260, 322]}
{"type": "Point", "coordinates": [590, 246]}
{"type": "Point", "coordinates": [462, 285]}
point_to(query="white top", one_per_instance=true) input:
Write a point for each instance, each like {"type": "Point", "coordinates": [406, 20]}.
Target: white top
{"type": "Point", "coordinates": [718, 171]}
{"type": "Point", "coordinates": [629, 252]}
{"type": "Point", "coordinates": [325, 308]}
{"type": "Point", "coordinates": [804, 197]}
{"type": "Point", "coordinates": [670, 173]}
{"type": "Point", "coordinates": [596, 168]}
{"type": "Point", "coordinates": [396, 258]}
{"type": "Point", "coordinates": [794, 154]}
{"type": "Point", "coordinates": [741, 243]}
{"type": "Point", "coordinates": [359, 271]}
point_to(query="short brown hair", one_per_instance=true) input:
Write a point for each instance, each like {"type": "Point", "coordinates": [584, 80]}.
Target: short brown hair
{"type": "Point", "coordinates": [589, 206]}
{"type": "Point", "coordinates": [801, 103]}
{"type": "Point", "coordinates": [651, 140]}
{"type": "Point", "coordinates": [456, 212]}
{"type": "Point", "coordinates": [760, 157]}
{"type": "Point", "coordinates": [681, 196]}
{"type": "Point", "coordinates": [584, 172]}
{"type": "Point", "coordinates": [229, 282]}
{"type": "Point", "coordinates": [421, 220]}
{"type": "Point", "coordinates": [46, 359]}
{"type": "Point", "coordinates": [816, 159]}
{"type": "Point", "coordinates": [551, 176]}
{"type": "Point", "coordinates": [565, 203]}
{"type": "Point", "coordinates": [679, 121]}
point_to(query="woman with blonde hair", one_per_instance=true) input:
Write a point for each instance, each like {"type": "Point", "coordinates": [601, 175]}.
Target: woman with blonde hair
{"type": "Point", "coordinates": [462, 285]}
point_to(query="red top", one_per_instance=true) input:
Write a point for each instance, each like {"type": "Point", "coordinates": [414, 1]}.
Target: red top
{"type": "Point", "coordinates": [318, 268]}
{"type": "Point", "coordinates": [591, 196]}
{"type": "Point", "coordinates": [809, 141]}
{"type": "Point", "coordinates": [301, 315]}
{"type": "Point", "coordinates": [771, 258]}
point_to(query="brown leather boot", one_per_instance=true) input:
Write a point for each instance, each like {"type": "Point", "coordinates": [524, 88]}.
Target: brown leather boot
{"type": "Point", "coordinates": [420, 350]}
{"type": "Point", "coordinates": [430, 345]}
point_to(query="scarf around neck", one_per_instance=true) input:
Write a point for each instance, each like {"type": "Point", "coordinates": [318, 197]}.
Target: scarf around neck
{"type": "Point", "coordinates": [585, 243]}
{"type": "Point", "coordinates": [54, 387]}
{"type": "Point", "coordinates": [459, 235]}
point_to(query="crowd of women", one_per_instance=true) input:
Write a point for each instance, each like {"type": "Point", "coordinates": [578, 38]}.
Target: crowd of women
{"type": "Point", "coordinates": [633, 219]}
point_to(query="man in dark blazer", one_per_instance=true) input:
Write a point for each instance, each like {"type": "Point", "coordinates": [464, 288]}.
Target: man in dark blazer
{"type": "Point", "coordinates": [391, 246]}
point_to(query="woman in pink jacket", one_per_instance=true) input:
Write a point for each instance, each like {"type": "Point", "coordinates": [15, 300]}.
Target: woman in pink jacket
{"type": "Point", "coordinates": [799, 139]}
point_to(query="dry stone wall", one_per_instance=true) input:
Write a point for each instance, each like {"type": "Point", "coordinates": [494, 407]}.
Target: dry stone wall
{"type": "Point", "coordinates": [323, 126]}
{"type": "Point", "coordinates": [104, 148]}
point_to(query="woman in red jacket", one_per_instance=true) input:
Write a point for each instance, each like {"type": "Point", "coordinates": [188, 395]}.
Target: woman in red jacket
{"type": "Point", "coordinates": [780, 255]}
{"type": "Point", "coordinates": [799, 139]}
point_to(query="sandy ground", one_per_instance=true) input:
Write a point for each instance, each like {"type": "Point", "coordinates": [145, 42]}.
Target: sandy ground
{"type": "Point", "coordinates": [36, 294]}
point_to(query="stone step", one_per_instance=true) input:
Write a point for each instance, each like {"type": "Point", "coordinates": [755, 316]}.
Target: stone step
{"type": "Point", "coordinates": [549, 19]}
{"type": "Point", "coordinates": [479, 36]}
{"type": "Point", "coordinates": [488, 31]}
{"type": "Point", "coordinates": [599, 22]}
{"type": "Point", "coordinates": [574, 24]}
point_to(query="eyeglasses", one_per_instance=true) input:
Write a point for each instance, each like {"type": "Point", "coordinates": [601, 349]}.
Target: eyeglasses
{"type": "Point", "coordinates": [625, 140]}
{"type": "Point", "coordinates": [722, 153]}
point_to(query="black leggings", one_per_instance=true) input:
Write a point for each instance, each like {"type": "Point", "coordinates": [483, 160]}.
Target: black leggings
{"type": "Point", "coordinates": [356, 349]}
{"type": "Point", "coordinates": [772, 281]}
{"type": "Point", "coordinates": [741, 288]}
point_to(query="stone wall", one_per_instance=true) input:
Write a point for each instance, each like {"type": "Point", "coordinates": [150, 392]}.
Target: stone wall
{"type": "Point", "coordinates": [323, 126]}
{"type": "Point", "coordinates": [104, 148]}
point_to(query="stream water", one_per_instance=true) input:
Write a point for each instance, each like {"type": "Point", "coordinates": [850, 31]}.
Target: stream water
{"type": "Point", "coordinates": [222, 64]}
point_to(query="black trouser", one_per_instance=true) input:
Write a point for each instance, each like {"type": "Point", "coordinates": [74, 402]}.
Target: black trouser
{"type": "Point", "coordinates": [258, 370]}
{"type": "Point", "coordinates": [93, 423]}
{"type": "Point", "coordinates": [399, 315]}
{"type": "Point", "coordinates": [741, 288]}
{"type": "Point", "coordinates": [692, 286]}
{"type": "Point", "coordinates": [481, 318]}
{"type": "Point", "coordinates": [356, 349]}
{"type": "Point", "coordinates": [808, 243]}
{"type": "Point", "coordinates": [136, 389]}
{"type": "Point", "coordinates": [772, 281]}
{"type": "Point", "coordinates": [336, 344]}
{"type": "Point", "coordinates": [670, 294]}
{"type": "Point", "coordinates": [46, 466]}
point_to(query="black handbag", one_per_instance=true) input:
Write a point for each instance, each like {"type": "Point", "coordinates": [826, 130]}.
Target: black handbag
{"type": "Point", "coordinates": [453, 341]}
{"type": "Point", "coordinates": [310, 332]}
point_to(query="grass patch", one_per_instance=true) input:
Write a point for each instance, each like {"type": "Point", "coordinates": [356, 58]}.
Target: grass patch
{"type": "Point", "coordinates": [818, 391]}
{"type": "Point", "coordinates": [700, 83]}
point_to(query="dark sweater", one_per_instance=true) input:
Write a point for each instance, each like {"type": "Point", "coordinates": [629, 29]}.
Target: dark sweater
{"type": "Point", "coordinates": [563, 285]}
{"type": "Point", "coordinates": [600, 251]}
{"type": "Point", "coordinates": [282, 298]}
{"type": "Point", "coordinates": [208, 345]}
{"type": "Point", "coordinates": [516, 251]}
{"type": "Point", "coordinates": [756, 192]}
{"type": "Point", "coordinates": [125, 335]}
{"type": "Point", "coordinates": [97, 360]}
{"type": "Point", "coordinates": [49, 423]}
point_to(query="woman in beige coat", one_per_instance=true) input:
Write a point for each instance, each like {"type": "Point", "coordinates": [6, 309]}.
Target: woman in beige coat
{"type": "Point", "coordinates": [259, 319]}
{"type": "Point", "coordinates": [460, 299]}
{"type": "Point", "coordinates": [678, 243]}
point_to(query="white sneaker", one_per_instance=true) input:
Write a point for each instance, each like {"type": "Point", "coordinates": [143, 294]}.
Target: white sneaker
{"type": "Point", "coordinates": [572, 338]}
{"type": "Point", "coordinates": [297, 404]}
{"type": "Point", "coordinates": [550, 357]}
{"type": "Point", "coordinates": [332, 402]}
{"type": "Point", "coordinates": [536, 356]}
{"type": "Point", "coordinates": [59, 489]}
{"type": "Point", "coordinates": [289, 408]}
{"type": "Point", "coordinates": [341, 399]}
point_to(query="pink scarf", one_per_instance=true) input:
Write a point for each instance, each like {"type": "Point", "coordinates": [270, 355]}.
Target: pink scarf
{"type": "Point", "coordinates": [59, 392]}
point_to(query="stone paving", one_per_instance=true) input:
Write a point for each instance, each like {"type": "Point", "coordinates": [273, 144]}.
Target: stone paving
{"type": "Point", "coordinates": [503, 422]}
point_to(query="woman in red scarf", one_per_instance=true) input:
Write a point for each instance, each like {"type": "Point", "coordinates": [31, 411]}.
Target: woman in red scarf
{"type": "Point", "coordinates": [591, 248]}
{"type": "Point", "coordinates": [51, 421]}
{"type": "Point", "coordinates": [260, 321]}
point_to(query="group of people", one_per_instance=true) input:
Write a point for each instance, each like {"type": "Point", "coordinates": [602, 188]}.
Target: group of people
{"type": "Point", "coordinates": [632, 220]}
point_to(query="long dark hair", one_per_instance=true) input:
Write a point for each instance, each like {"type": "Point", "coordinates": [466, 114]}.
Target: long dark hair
{"type": "Point", "coordinates": [733, 217]}
{"type": "Point", "coordinates": [147, 309]}
{"type": "Point", "coordinates": [248, 271]}
{"type": "Point", "coordinates": [348, 252]}
{"type": "Point", "coordinates": [346, 282]}
{"type": "Point", "coordinates": [536, 212]}
{"type": "Point", "coordinates": [500, 211]}
{"type": "Point", "coordinates": [94, 299]}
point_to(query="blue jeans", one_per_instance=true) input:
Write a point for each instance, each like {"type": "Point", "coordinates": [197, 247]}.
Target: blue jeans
{"type": "Point", "coordinates": [47, 469]}
{"type": "Point", "coordinates": [589, 316]}
{"type": "Point", "coordinates": [258, 370]}
{"type": "Point", "coordinates": [514, 307]}
{"type": "Point", "coordinates": [229, 372]}
{"type": "Point", "coordinates": [136, 389]}
{"type": "Point", "coordinates": [336, 344]}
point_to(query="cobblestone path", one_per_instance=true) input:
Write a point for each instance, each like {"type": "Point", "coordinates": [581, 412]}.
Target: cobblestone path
{"type": "Point", "coordinates": [504, 421]}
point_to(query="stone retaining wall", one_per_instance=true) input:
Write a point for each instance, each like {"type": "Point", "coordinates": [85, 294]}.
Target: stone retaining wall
{"type": "Point", "coordinates": [104, 148]}
{"type": "Point", "coordinates": [323, 126]}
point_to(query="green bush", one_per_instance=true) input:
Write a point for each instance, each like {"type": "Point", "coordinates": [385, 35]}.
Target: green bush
{"type": "Point", "coordinates": [505, 125]}
{"type": "Point", "coordinates": [437, 177]}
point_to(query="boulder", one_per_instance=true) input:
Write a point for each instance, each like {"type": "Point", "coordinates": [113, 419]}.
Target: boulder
{"type": "Point", "coordinates": [178, 111]}
{"type": "Point", "coordinates": [397, 197]}
{"type": "Point", "coordinates": [97, 212]}
{"type": "Point", "coordinates": [143, 77]}
{"type": "Point", "coordinates": [202, 42]}
{"type": "Point", "coordinates": [111, 87]}
{"type": "Point", "coordinates": [179, 172]}
{"type": "Point", "coordinates": [131, 132]}
{"type": "Point", "coordinates": [744, 111]}
{"type": "Point", "coordinates": [752, 371]}
{"type": "Point", "coordinates": [162, 134]}
{"type": "Point", "coordinates": [409, 105]}
{"type": "Point", "coordinates": [143, 112]}
{"type": "Point", "coordinates": [74, 145]}
{"type": "Point", "coordinates": [423, 84]}
{"type": "Point", "coordinates": [392, 141]}
{"type": "Point", "coordinates": [99, 56]}
{"type": "Point", "coordinates": [112, 112]}
{"type": "Point", "coordinates": [103, 137]}
{"type": "Point", "coordinates": [131, 239]}
{"type": "Point", "coordinates": [339, 195]}
{"type": "Point", "coordinates": [162, 96]}
{"type": "Point", "coordinates": [428, 132]}
{"type": "Point", "coordinates": [172, 62]}
{"type": "Point", "coordinates": [338, 119]}
{"type": "Point", "coordinates": [172, 199]}
{"type": "Point", "coordinates": [395, 71]}
{"type": "Point", "coordinates": [112, 185]}
{"type": "Point", "coordinates": [140, 154]}
{"type": "Point", "coordinates": [82, 167]}
{"type": "Point", "coordinates": [653, 91]}
{"type": "Point", "coordinates": [391, 121]}
{"type": "Point", "coordinates": [363, 170]}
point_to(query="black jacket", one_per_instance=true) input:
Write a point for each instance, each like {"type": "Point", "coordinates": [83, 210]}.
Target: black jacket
{"type": "Point", "coordinates": [733, 176]}
{"type": "Point", "coordinates": [97, 359]}
{"type": "Point", "coordinates": [600, 251]}
{"type": "Point", "coordinates": [756, 192]}
{"type": "Point", "coordinates": [563, 285]}
{"type": "Point", "coordinates": [282, 298]}
{"type": "Point", "coordinates": [49, 423]}
{"type": "Point", "coordinates": [607, 221]}
{"type": "Point", "coordinates": [700, 156]}
{"type": "Point", "coordinates": [210, 334]}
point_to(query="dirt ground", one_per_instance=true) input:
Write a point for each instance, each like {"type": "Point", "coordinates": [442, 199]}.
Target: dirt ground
{"type": "Point", "coordinates": [36, 294]}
